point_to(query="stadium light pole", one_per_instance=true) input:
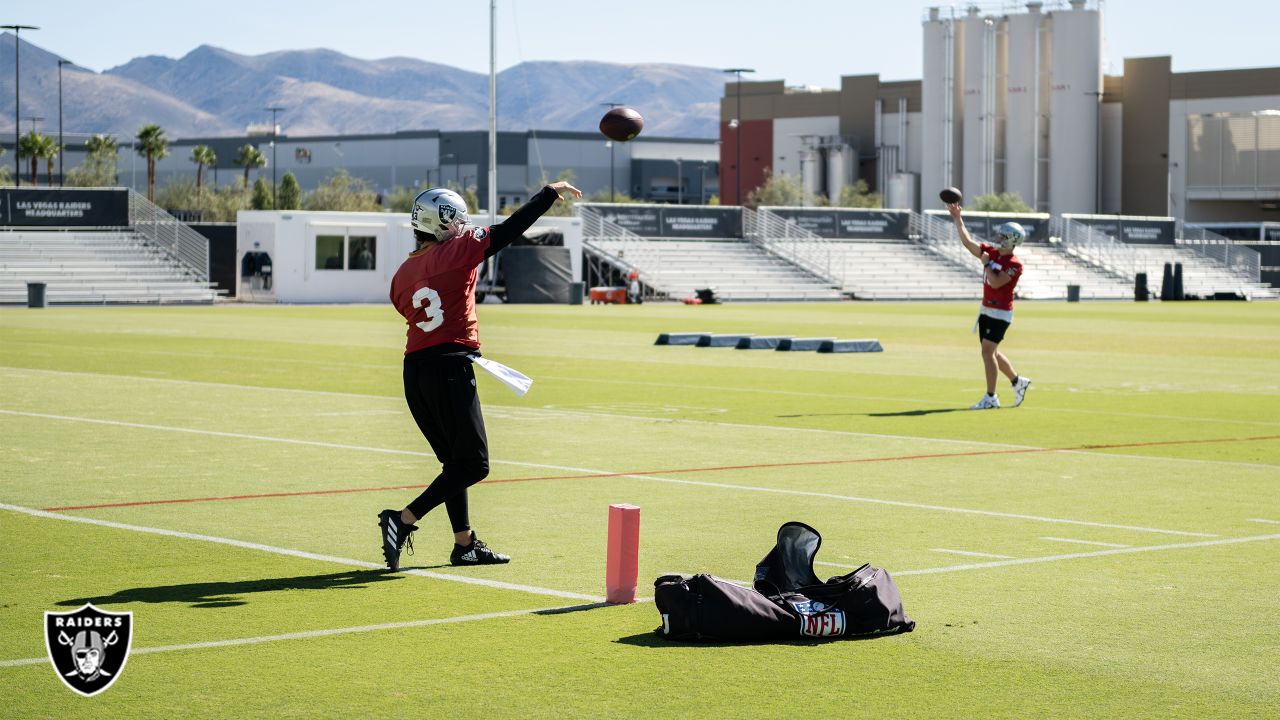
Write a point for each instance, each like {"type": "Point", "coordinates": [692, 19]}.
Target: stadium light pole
{"type": "Point", "coordinates": [737, 140]}
{"type": "Point", "coordinates": [17, 98]}
{"type": "Point", "coordinates": [274, 203]}
{"type": "Point", "coordinates": [62, 149]}
{"type": "Point", "coordinates": [679, 182]}
{"type": "Point", "coordinates": [609, 144]}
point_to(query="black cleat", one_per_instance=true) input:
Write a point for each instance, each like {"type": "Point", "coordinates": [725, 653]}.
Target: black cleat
{"type": "Point", "coordinates": [395, 537]}
{"type": "Point", "coordinates": [477, 553]}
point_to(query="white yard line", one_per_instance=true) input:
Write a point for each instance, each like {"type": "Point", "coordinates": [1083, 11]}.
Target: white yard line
{"type": "Point", "coordinates": [509, 586]}
{"type": "Point", "coordinates": [922, 506]}
{"type": "Point", "coordinates": [1098, 553]}
{"type": "Point", "coordinates": [300, 553]}
{"type": "Point", "coordinates": [970, 553]}
{"type": "Point", "coordinates": [649, 419]}
{"type": "Point", "coordinates": [389, 367]}
{"type": "Point", "coordinates": [1085, 542]}
{"type": "Point", "coordinates": [329, 632]}
{"type": "Point", "coordinates": [591, 471]}
{"type": "Point", "coordinates": [1263, 520]}
{"type": "Point", "coordinates": [839, 565]}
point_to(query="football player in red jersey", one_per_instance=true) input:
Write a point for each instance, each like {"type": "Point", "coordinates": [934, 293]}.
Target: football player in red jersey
{"type": "Point", "coordinates": [435, 291]}
{"type": "Point", "coordinates": [1000, 272]}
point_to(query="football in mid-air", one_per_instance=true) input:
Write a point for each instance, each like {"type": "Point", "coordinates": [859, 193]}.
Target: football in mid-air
{"type": "Point", "coordinates": [621, 124]}
{"type": "Point", "coordinates": [951, 195]}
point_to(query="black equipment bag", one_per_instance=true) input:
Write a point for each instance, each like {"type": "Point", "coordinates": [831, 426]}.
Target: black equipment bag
{"type": "Point", "coordinates": [863, 602]}
{"type": "Point", "coordinates": [702, 607]}
{"type": "Point", "coordinates": [788, 602]}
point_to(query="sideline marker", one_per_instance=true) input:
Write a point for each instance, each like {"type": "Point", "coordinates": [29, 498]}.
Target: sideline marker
{"type": "Point", "coordinates": [622, 566]}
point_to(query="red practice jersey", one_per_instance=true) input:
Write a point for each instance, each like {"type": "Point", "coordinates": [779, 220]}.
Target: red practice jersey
{"type": "Point", "coordinates": [1001, 298]}
{"type": "Point", "coordinates": [435, 291]}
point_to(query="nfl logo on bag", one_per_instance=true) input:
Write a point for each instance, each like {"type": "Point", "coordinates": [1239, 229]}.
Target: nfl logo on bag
{"type": "Point", "coordinates": [817, 621]}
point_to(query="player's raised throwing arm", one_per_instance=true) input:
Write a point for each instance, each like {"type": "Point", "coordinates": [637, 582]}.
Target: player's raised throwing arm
{"type": "Point", "coordinates": [505, 232]}
{"type": "Point", "coordinates": [965, 237]}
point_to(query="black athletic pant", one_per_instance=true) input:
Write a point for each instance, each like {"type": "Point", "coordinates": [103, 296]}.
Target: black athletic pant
{"type": "Point", "coordinates": [441, 390]}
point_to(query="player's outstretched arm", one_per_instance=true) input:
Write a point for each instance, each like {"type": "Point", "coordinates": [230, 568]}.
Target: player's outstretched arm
{"type": "Point", "coordinates": [965, 237]}
{"type": "Point", "coordinates": [505, 232]}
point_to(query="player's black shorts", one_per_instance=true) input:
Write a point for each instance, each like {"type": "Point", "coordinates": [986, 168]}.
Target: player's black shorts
{"type": "Point", "coordinates": [992, 329]}
{"type": "Point", "coordinates": [441, 391]}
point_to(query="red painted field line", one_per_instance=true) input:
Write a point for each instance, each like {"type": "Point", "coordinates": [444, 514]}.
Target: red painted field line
{"type": "Point", "coordinates": [675, 471]}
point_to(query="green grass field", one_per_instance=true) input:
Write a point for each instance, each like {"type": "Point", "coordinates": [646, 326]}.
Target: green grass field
{"type": "Point", "coordinates": [1109, 549]}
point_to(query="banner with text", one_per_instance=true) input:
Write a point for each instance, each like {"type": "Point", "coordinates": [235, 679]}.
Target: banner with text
{"type": "Point", "coordinates": [849, 223]}
{"type": "Point", "coordinates": [675, 221]}
{"type": "Point", "coordinates": [55, 207]}
{"type": "Point", "coordinates": [1135, 230]}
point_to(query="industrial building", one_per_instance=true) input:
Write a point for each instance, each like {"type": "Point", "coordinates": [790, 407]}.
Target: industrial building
{"type": "Point", "coordinates": [656, 169]}
{"type": "Point", "coordinates": [1018, 102]}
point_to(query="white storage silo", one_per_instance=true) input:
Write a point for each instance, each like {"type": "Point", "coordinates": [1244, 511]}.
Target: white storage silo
{"type": "Point", "coordinates": [941, 103]}
{"type": "Point", "coordinates": [1074, 109]}
{"type": "Point", "coordinates": [978, 116]}
{"type": "Point", "coordinates": [838, 165]}
{"type": "Point", "coordinates": [1023, 104]}
{"type": "Point", "coordinates": [811, 171]}
{"type": "Point", "coordinates": [902, 191]}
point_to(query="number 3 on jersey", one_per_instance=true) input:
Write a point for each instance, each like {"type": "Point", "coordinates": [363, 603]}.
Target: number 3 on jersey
{"type": "Point", "coordinates": [433, 309]}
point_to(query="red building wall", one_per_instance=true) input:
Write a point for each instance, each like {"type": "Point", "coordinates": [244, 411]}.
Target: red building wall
{"type": "Point", "coordinates": [757, 156]}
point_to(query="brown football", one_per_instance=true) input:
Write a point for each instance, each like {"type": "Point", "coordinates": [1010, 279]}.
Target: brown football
{"type": "Point", "coordinates": [951, 195]}
{"type": "Point", "coordinates": [621, 124]}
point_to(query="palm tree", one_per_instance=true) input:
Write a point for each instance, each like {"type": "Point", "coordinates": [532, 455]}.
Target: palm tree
{"type": "Point", "coordinates": [250, 157]}
{"type": "Point", "coordinates": [203, 156]}
{"type": "Point", "coordinates": [29, 147]}
{"type": "Point", "coordinates": [99, 166]}
{"type": "Point", "coordinates": [47, 151]}
{"type": "Point", "coordinates": [154, 146]}
{"type": "Point", "coordinates": [100, 145]}
{"type": "Point", "coordinates": [102, 150]}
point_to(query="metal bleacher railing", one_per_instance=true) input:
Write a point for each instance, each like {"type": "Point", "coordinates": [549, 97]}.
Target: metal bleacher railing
{"type": "Point", "coordinates": [787, 240]}
{"type": "Point", "coordinates": [1242, 261]}
{"type": "Point", "coordinates": [596, 228]}
{"type": "Point", "coordinates": [1097, 248]}
{"type": "Point", "coordinates": [939, 237]}
{"type": "Point", "coordinates": [187, 247]}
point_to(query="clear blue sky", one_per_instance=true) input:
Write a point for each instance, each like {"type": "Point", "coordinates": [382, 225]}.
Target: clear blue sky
{"type": "Point", "coordinates": [804, 42]}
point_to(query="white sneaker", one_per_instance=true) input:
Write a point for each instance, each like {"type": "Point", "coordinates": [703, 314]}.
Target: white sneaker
{"type": "Point", "coordinates": [988, 402]}
{"type": "Point", "coordinates": [1020, 389]}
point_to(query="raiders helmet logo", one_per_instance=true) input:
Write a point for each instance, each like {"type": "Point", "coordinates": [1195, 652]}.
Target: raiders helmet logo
{"type": "Point", "coordinates": [447, 214]}
{"type": "Point", "coordinates": [88, 647]}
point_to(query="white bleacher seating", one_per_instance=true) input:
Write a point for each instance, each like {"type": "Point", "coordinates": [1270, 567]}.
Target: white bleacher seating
{"type": "Point", "coordinates": [1201, 276]}
{"type": "Point", "coordinates": [97, 267]}
{"type": "Point", "coordinates": [735, 268]}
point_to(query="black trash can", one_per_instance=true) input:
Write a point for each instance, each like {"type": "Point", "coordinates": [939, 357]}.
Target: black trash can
{"type": "Point", "coordinates": [1140, 292]}
{"type": "Point", "coordinates": [1073, 293]}
{"type": "Point", "coordinates": [36, 297]}
{"type": "Point", "coordinates": [576, 292]}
